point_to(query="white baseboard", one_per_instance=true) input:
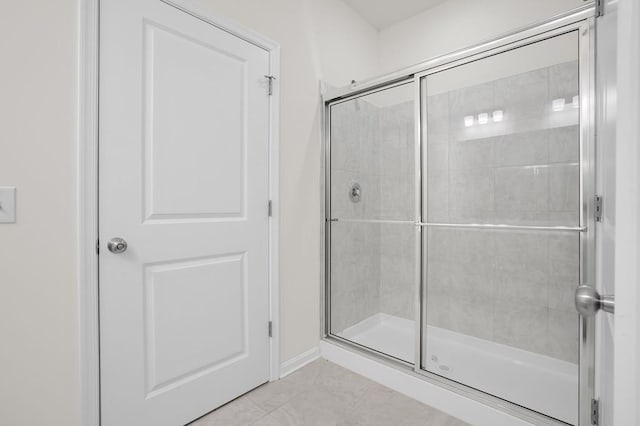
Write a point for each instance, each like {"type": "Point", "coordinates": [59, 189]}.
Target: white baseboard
{"type": "Point", "coordinates": [299, 361]}
{"type": "Point", "coordinates": [438, 397]}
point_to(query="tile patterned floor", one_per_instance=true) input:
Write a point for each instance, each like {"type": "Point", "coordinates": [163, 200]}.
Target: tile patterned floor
{"type": "Point", "coordinates": [322, 394]}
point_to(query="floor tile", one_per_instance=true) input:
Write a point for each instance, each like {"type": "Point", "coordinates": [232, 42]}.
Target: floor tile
{"type": "Point", "coordinates": [271, 396]}
{"type": "Point", "coordinates": [239, 412]}
{"type": "Point", "coordinates": [347, 386]}
{"type": "Point", "coordinates": [325, 394]}
{"type": "Point", "coordinates": [312, 408]}
{"type": "Point", "coordinates": [380, 406]}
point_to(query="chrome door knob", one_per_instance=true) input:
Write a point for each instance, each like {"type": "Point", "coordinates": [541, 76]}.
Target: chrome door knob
{"type": "Point", "coordinates": [117, 245]}
{"type": "Point", "coordinates": [588, 301]}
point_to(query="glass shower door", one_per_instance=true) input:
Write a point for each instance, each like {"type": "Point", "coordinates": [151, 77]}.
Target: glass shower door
{"type": "Point", "coordinates": [371, 222]}
{"type": "Point", "coordinates": [503, 237]}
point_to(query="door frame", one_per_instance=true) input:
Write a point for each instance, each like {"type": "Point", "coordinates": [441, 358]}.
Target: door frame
{"type": "Point", "coordinates": [87, 192]}
{"type": "Point", "coordinates": [627, 245]}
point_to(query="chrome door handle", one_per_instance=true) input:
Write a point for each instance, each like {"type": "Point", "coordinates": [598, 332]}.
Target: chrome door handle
{"type": "Point", "coordinates": [588, 301]}
{"type": "Point", "coordinates": [117, 245]}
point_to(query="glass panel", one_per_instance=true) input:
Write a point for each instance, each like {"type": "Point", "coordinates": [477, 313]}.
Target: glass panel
{"type": "Point", "coordinates": [373, 147]}
{"type": "Point", "coordinates": [373, 286]}
{"type": "Point", "coordinates": [500, 315]}
{"type": "Point", "coordinates": [503, 140]}
{"type": "Point", "coordinates": [503, 148]}
{"type": "Point", "coordinates": [372, 280]}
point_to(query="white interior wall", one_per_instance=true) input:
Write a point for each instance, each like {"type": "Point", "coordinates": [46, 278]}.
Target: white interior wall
{"type": "Point", "coordinates": [518, 61]}
{"type": "Point", "coordinates": [39, 375]}
{"type": "Point", "coordinates": [346, 46]}
{"type": "Point", "coordinates": [456, 24]}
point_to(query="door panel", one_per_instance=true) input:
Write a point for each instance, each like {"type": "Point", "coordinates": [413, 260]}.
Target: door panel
{"type": "Point", "coordinates": [206, 297]}
{"type": "Point", "coordinates": [188, 173]}
{"type": "Point", "coordinates": [606, 60]}
{"type": "Point", "coordinates": [504, 180]}
{"type": "Point", "coordinates": [184, 180]}
{"type": "Point", "coordinates": [372, 231]}
{"type": "Point", "coordinates": [500, 314]}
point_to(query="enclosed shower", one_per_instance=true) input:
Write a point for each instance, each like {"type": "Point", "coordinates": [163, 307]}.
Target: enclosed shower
{"type": "Point", "coordinates": [459, 219]}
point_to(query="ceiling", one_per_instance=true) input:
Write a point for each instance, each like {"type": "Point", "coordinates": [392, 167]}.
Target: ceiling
{"type": "Point", "coordinates": [384, 13]}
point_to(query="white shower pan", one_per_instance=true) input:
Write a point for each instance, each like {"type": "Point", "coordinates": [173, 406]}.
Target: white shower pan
{"type": "Point", "coordinates": [539, 382]}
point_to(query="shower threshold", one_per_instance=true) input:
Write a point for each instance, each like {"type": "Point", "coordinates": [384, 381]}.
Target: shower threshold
{"type": "Point", "coordinates": [538, 382]}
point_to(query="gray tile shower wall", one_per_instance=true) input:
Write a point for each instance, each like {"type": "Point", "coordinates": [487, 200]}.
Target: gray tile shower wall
{"type": "Point", "coordinates": [355, 148]}
{"type": "Point", "coordinates": [355, 273]}
{"type": "Point", "coordinates": [510, 287]}
{"type": "Point", "coordinates": [513, 288]}
{"type": "Point", "coordinates": [397, 201]}
{"type": "Point", "coordinates": [355, 254]}
{"type": "Point", "coordinates": [397, 153]}
{"type": "Point", "coordinates": [397, 266]}
{"type": "Point", "coordinates": [372, 264]}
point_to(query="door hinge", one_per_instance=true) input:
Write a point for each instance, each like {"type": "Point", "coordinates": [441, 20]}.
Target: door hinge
{"type": "Point", "coordinates": [97, 246]}
{"type": "Point", "coordinates": [595, 411]}
{"type": "Point", "coordinates": [270, 84]}
{"type": "Point", "coordinates": [597, 208]}
{"type": "Point", "coordinates": [600, 7]}
{"type": "Point", "coordinates": [270, 208]}
{"type": "Point", "coordinates": [270, 328]}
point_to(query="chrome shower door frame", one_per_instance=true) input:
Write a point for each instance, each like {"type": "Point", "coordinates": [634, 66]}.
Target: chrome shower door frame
{"type": "Point", "coordinates": [586, 227]}
{"type": "Point", "coordinates": [325, 319]}
{"type": "Point", "coordinates": [581, 20]}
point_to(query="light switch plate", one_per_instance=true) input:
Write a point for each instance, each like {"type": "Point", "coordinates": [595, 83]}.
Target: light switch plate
{"type": "Point", "coordinates": [7, 204]}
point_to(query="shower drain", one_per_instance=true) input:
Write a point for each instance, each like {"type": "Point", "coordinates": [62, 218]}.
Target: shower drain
{"type": "Point", "coordinates": [442, 367]}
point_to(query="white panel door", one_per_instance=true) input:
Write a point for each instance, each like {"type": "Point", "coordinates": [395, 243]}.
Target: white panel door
{"type": "Point", "coordinates": [184, 180]}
